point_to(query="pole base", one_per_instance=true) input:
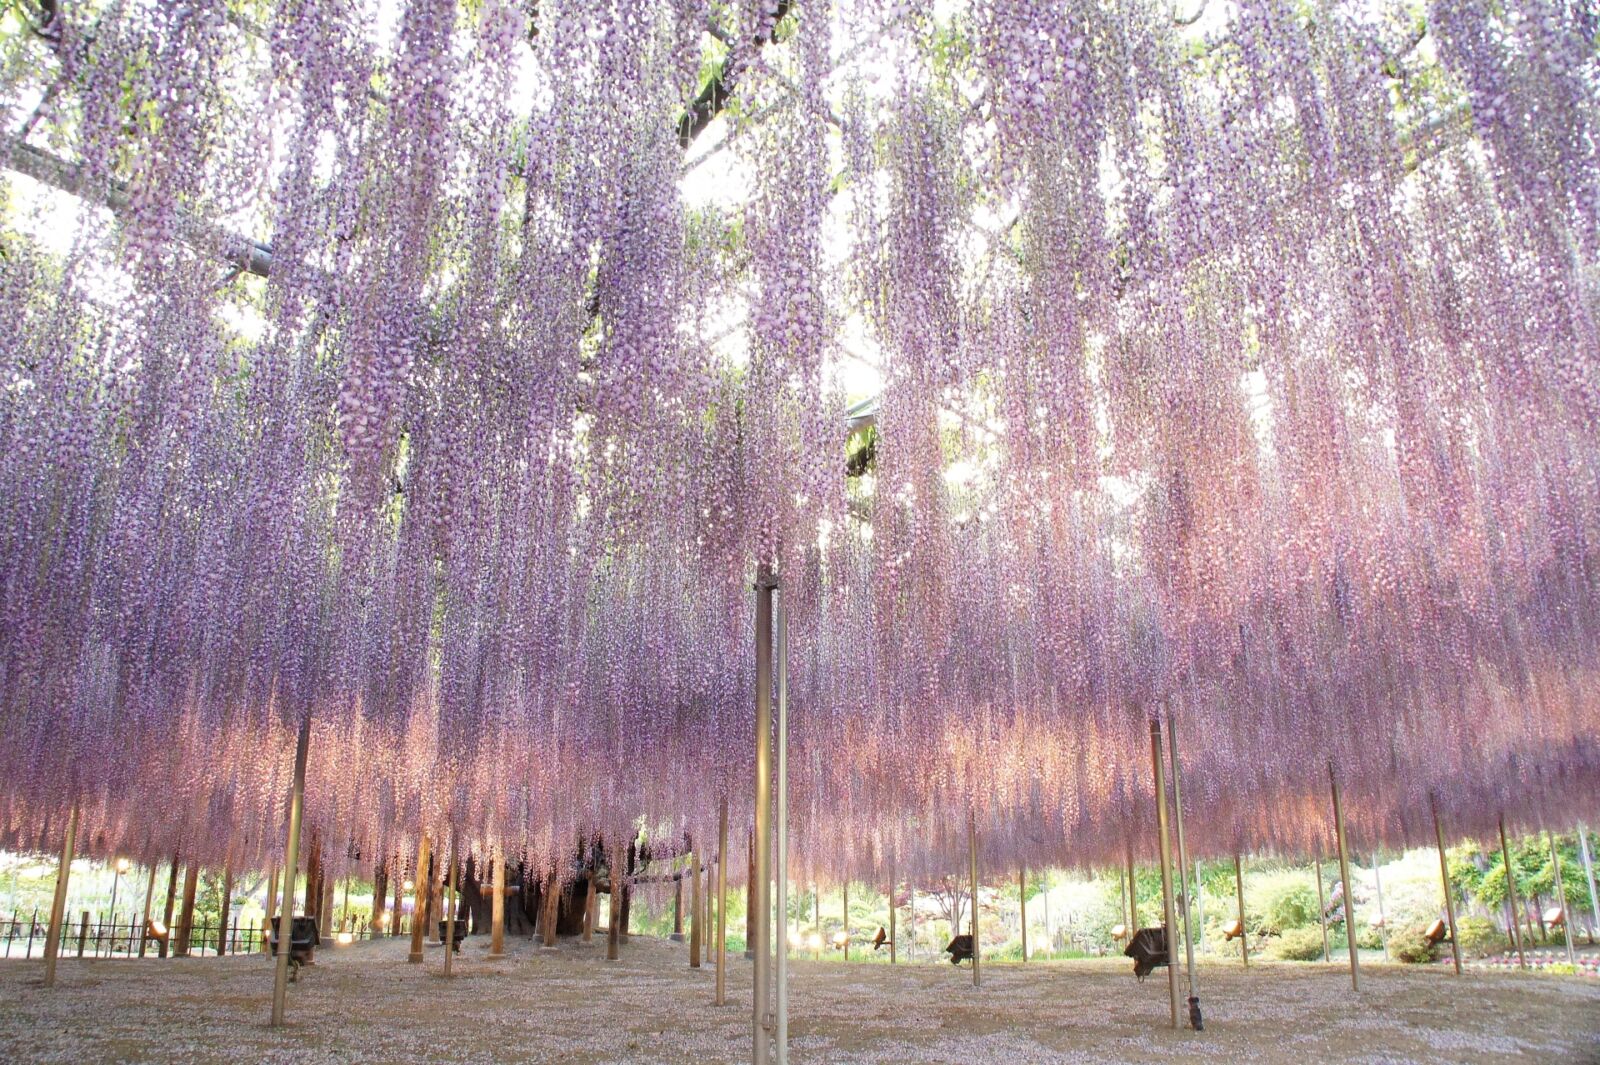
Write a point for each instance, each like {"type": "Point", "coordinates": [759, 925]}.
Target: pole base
{"type": "Point", "coordinates": [494, 957]}
{"type": "Point", "coordinates": [415, 957]}
{"type": "Point", "coordinates": [1194, 1014]}
{"type": "Point", "coordinates": [676, 937]}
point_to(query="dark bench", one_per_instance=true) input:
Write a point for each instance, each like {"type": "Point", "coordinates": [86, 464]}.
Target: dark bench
{"type": "Point", "coordinates": [1148, 949]}
{"type": "Point", "coordinates": [461, 932]}
{"type": "Point", "coordinates": [303, 943]}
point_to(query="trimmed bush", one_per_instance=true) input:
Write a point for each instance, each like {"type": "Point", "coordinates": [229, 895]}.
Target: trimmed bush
{"type": "Point", "coordinates": [1289, 903]}
{"type": "Point", "coordinates": [1411, 946]}
{"type": "Point", "coordinates": [1480, 937]}
{"type": "Point", "coordinates": [1299, 944]}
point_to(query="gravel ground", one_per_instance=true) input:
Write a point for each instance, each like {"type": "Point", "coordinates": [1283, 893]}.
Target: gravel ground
{"type": "Point", "coordinates": [364, 1003]}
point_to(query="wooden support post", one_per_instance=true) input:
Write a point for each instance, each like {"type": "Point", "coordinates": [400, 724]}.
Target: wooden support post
{"type": "Point", "coordinates": [627, 890]}
{"type": "Point", "coordinates": [1560, 889]}
{"type": "Point", "coordinates": [419, 912]}
{"type": "Point", "coordinates": [1133, 891]}
{"type": "Point", "coordinates": [313, 903]}
{"type": "Point", "coordinates": [1444, 880]}
{"type": "Point", "coordinates": [398, 909]}
{"type": "Point", "coordinates": [1344, 878]}
{"type": "Point", "coordinates": [291, 861]}
{"type": "Point", "coordinates": [83, 932]}
{"type": "Point", "coordinates": [1383, 915]}
{"type": "Point", "coordinates": [325, 907]}
{"type": "Point", "coordinates": [1588, 873]}
{"type": "Point", "coordinates": [749, 891]}
{"type": "Point", "coordinates": [722, 904]}
{"type": "Point", "coordinates": [972, 862]}
{"type": "Point", "coordinates": [1244, 929]}
{"type": "Point", "coordinates": [452, 901]}
{"type": "Point", "coordinates": [1322, 901]}
{"type": "Point", "coordinates": [497, 907]}
{"type": "Point", "coordinates": [377, 918]}
{"type": "Point", "coordinates": [591, 908]}
{"type": "Point", "coordinates": [149, 897]}
{"type": "Point", "coordinates": [270, 903]}
{"type": "Point", "coordinates": [844, 909]}
{"type": "Point", "coordinates": [892, 911]}
{"type": "Point", "coordinates": [677, 910]}
{"type": "Point", "coordinates": [225, 905]}
{"type": "Point", "coordinates": [1186, 888]}
{"type": "Point", "coordinates": [548, 909]}
{"type": "Point", "coordinates": [614, 922]}
{"type": "Point", "coordinates": [185, 933]}
{"type": "Point", "coordinates": [166, 915]}
{"type": "Point", "coordinates": [1022, 905]}
{"type": "Point", "coordinates": [696, 915]}
{"type": "Point", "coordinates": [1164, 846]}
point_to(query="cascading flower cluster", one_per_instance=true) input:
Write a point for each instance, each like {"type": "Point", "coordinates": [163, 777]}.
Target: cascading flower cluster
{"type": "Point", "coordinates": [1238, 367]}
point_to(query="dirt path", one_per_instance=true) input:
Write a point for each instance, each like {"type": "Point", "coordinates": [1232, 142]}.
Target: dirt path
{"type": "Point", "coordinates": [363, 1003]}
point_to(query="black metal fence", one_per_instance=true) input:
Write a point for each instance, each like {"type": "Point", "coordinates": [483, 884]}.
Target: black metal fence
{"type": "Point", "coordinates": [23, 936]}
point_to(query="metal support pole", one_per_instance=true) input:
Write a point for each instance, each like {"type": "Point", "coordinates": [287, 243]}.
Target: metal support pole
{"type": "Point", "coordinates": [972, 859]}
{"type": "Point", "coordinates": [722, 904]}
{"type": "Point", "coordinates": [1444, 880]}
{"type": "Point", "coordinates": [291, 862]}
{"type": "Point", "coordinates": [1184, 883]}
{"type": "Point", "coordinates": [58, 905]}
{"type": "Point", "coordinates": [1511, 895]}
{"type": "Point", "coordinates": [1561, 899]}
{"type": "Point", "coordinates": [781, 875]}
{"type": "Point", "coordinates": [1244, 929]}
{"type": "Point", "coordinates": [1588, 873]}
{"type": "Point", "coordinates": [423, 886]}
{"type": "Point", "coordinates": [1349, 887]}
{"type": "Point", "coordinates": [1165, 847]}
{"type": "Point", "coordinates": [759, 917]}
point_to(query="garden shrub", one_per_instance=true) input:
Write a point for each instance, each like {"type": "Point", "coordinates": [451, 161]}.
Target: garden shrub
{"type": "Point", "coordinates": [1289, 902]}
{"type": "Point", "coordinates": [1299, 944]}
{"type": "Point", "coordinates": [1480, 937]}
{"type": "Point", "coordinates": [1411, 946]}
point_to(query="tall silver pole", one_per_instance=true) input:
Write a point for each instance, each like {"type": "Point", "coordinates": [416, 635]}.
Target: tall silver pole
{"type": "Point", "coordinates": [760, 912]}
{"type": "Point", "coordinates": [1183, 870]}
{"type": "Point", "coordinates": [291, 863]}
{"type": "Point", "coordinates": [782, 877]}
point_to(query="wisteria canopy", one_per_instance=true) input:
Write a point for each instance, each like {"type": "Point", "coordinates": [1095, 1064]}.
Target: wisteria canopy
{"type": "Point", "coordinates": [397, 363]}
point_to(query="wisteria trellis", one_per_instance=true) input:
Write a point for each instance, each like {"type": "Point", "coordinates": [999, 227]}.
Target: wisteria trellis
{"type": "Point", "coordinates": [1238, 363]}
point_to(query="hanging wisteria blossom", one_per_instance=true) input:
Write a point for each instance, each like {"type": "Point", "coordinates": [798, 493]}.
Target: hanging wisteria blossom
{"type": "Point", "coordinates": [443, 373]}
